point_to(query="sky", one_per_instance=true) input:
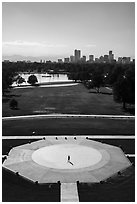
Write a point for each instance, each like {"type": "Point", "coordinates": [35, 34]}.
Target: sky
{"type": "Point", "coordinates": [53, 30]}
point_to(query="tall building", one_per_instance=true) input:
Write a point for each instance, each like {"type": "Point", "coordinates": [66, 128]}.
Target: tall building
{"type": "Point", "coordinates": [106, 59]}
{"type": "Point", "coordinates": [96, 60]}
{"type": "Point", "coordinates": [72, 59]}
{"type": "Point", "coordinates": [77, 54]}
{"type": "Point", "coordinates": [101, 59]}
{"type": "Point", "coordinates": [66, 60]}
{"type": "Point", "coordinates": [110, 52]}
{"type": "Point", "coordinates": [126, 60]}
{"type": "Point", "coordinates": [119, 60]}
{"type": "Point", "coordinates": [48, 61]}
{"type": "Point", "coordinates": [60, 61]}
{"type": "Point", "coordinates": [91, 58]}
{"type": "Point", "coordinates": [111, 56]}
{"type": "Point", "coordinates": [83, 59]}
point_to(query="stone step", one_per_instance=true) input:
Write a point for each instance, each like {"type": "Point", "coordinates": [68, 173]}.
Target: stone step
{"type": "Point", "coordinates": [69, 192]}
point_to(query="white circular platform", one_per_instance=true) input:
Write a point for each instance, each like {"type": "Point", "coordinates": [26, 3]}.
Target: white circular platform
{"type": "Point", "coordinates": [56, 156]}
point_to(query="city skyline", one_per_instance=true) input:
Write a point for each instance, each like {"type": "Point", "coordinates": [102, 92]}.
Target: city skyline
{"type": "Point", "coordinates": [59, 28]}
{"type": "Point", "coordinates": [77, 57]}
{"type": "Point", "coordinates": [106, 58]}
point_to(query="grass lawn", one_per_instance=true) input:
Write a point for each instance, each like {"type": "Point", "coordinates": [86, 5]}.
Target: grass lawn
{"type": "Point", "coordinates": [15, 189]}
{"type": "Point", "coordinates": [70, 100]}
{"type": "Point", "coordinates": [117, 189]}
{"type": "Point", "coordinates": [69, 126]}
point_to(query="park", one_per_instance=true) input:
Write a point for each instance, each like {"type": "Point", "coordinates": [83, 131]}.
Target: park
{"type": "Point", "coordinates": [51, 112]}
{"type": "Point", "coordinates": [64, 129]}
{"type": "Point", "coordinates": [68, 102]}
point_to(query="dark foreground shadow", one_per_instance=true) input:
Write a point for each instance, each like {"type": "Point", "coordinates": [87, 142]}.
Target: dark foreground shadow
{"type": "Point", "coordinates": [130, 110]}
{"type": "Point", "coordinates": [120, 188]}
{"type": "Point", "coordinates": [12, 95]}
{"type": "Point", "coordinates": [5, 100]}
{"type": "Point", "coordinates": [18, 189]}
{"type": "Point", "coordinates": [16, 108]}
{"type": "Point", "coordinates": [8, 97]}
{"type": "Point", "coordinates": [100, 93]}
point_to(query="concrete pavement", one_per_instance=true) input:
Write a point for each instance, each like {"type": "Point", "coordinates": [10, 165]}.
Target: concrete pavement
{"type": "Point", "coordinates": [68, 116]}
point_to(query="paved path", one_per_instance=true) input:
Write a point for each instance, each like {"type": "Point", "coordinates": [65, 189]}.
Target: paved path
{"type": "Point", "coordinates": [45, 86]}
{"type": "Point", "coordinates": [69, 192]}
{"type": "Point", "coordinates": [109, 88]}
{"type": "Point", "coordinates": [69, 136]}
{"type": "Point", "coordinates": [68, 115]}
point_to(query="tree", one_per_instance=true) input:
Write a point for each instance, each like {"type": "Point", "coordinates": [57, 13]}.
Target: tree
{"type": "Point", "coordinates": [13, 104]}
{"type": "Point", "coordinates": [124, 89]}
{"type": "Point", "coordinates": [20, 80]}
{"type": "Point", "coordinates": [5, 86]}
{"type": "Point", "coordinates": [32, 80]}
{"type": "Point", "coordinates": [8, 74]}
{"type": "Point", "coordinates": [115, 73]}
{"type": "Point", "coordinates": [97, 80]}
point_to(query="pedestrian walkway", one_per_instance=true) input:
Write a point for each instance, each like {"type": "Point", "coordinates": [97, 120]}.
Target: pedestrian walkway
{"type": "Point", "coordinates": [69, 136]}
{"type": "Point", "coordinates": [69, 116]}
{"type": "Point", "coordinates": [69, 192]}
{"type": "Point", "coordinates": [45, 86]}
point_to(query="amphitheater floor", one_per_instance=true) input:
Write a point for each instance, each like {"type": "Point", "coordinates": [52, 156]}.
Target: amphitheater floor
{"type": "Point", "coordinates": [67, 160]}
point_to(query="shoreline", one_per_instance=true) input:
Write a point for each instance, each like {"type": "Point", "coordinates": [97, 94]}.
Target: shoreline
{"type": "Point", "coordinates": [46, 83]}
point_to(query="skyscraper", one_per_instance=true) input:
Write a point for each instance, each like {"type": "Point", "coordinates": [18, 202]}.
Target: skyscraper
{"type": "Point", "coordinates": [106, 59]}
{"type": "Point", "coordinates": [101, 59]}
{"type": "Point", "coordinates": [111, 56]}
{"type": "Point", "coordinates": [66, 60]}
{"type": "Point", "coordinates": [110, 52]}
{"type": "Point", "coordinates": [77, 54]}
{"type": "Point", "coordinates": [72, 58]}
{"type": "Point", "coordinates": [126, 60]}
{"type": "Point", "coordinates": [83, 59]}
{"type": "Point", "coordinates": [119, 59]}
{"type": "Point", "coordinates": [60, 61]}
{"type": "Point", "coordinates": [96, 60]}
{"type": "Point", "coordinates": [91, 58]}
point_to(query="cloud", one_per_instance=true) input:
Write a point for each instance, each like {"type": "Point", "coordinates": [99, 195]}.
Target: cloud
{"type": "Point", "coordinates": [32, 44]}
{"type": "Point", "coordinates": [90, 45]}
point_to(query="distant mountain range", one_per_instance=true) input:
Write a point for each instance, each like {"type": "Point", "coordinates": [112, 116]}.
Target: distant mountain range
{"type": "Point", "coordinates": [32, 59]}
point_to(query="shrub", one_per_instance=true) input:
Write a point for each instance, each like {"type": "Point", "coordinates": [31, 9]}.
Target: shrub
{"type": "Point", "coordinates": [13, 104]}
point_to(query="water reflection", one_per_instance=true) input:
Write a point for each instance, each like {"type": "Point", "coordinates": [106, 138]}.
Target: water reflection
{"type": "Point", "coordinates": [45, 78]}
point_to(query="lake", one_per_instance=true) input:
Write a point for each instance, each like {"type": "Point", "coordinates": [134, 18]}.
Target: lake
{"type": "Point", "coordinates": [45, 78]}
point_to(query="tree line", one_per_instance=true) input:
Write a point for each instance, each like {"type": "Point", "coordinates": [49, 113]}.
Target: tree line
{"type": "Point", "coordinates": [120, 77]}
